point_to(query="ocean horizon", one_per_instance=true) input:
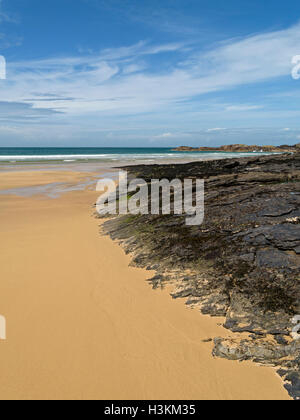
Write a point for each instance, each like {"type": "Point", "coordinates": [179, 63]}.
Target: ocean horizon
{"type": "Point", "coordinates": [75, 154]}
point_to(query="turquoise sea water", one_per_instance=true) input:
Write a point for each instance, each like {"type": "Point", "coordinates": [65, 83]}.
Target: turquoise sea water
{"type": "Point", "coordinates": [35, 154]}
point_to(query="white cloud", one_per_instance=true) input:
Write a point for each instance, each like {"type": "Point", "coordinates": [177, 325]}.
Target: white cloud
{"type": "Point", "coordinates": [164, 136]}
{"type": "Point", "coordinates": [243, 107]}
{"type": "Point", "coordinates": [134, 68]}
{"type": "Point", "coordinates": [142, 48]}
{"type": "Point", "coordinates": [211, 130]}
{"type": "Point", "coordinates": [113, 83]}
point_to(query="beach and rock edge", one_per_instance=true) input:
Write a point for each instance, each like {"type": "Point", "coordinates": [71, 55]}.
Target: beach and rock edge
{"type": "Point", "coordinates": [242, 263]}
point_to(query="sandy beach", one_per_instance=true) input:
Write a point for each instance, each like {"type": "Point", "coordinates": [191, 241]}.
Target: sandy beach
{"type": "Point", "coordinates": [82, 324]}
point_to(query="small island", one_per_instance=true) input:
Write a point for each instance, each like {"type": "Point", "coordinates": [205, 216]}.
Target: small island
{"type": "Point", "coordinates": [241, 148]}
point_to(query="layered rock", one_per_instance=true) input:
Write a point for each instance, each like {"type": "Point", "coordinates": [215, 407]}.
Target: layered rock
{"type": "Point", "coordinates": [243, 263]}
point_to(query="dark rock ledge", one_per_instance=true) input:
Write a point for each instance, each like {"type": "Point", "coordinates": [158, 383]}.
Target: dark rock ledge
{"type": "Point", "coordinates": [243, 263]}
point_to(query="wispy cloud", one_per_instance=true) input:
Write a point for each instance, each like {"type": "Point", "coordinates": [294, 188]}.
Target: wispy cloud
{"type": "Point", "coordinates": [155, 14]}
{"type": "Point", "coordinates": [164, 136]}
{"type": "Point", "coordinates": [239, 62]}
{"type": "Point", "coordinates": [240, 108]}
{"type": "Point", "coordinates": [212, 130]}
{"type": "Point", "coordinates": [124, 82]}
{"type": "Point", "coordinates": [12, 40]}
{"type": "Point", "coordinates": [4, 16]}
{"type": "Point", "coordinates": [17, 110]}
{"type": "Point", "coordinates": [139, 49]}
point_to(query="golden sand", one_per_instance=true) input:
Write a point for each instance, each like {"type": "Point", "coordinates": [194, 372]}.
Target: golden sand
{"type": "Point", "coordinates": [82, 324]}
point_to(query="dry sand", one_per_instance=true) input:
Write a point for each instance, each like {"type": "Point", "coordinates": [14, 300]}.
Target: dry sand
{"type": "Point", "coordinates": [82, 324]}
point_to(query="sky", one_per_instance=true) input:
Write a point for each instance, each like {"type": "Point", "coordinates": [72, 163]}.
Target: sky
{"type": "Point", "coordinates": [149, 73]}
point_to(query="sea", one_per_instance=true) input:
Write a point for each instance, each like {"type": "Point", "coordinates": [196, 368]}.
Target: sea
{"type": "Point", "coordinates": [106, 154]}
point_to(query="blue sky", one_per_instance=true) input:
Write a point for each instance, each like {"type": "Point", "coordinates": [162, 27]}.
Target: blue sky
{"type": "Point", "coordinates": [149, 72]}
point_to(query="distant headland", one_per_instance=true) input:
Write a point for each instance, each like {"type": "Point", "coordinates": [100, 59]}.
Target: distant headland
{"type": "Point", "coordinates": [240, 148]}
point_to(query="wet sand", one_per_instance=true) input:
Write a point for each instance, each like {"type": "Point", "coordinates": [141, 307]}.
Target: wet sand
{"type": "Point", "coordinates": [82, 324]}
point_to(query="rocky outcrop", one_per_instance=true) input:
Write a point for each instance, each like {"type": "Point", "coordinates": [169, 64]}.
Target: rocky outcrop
{"type": "Point", "coordinates": [242, 263]}
{"type": "Point", "coordinates": [241, 148]}
{"type": "Point", "coordinates": [286, 355]}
